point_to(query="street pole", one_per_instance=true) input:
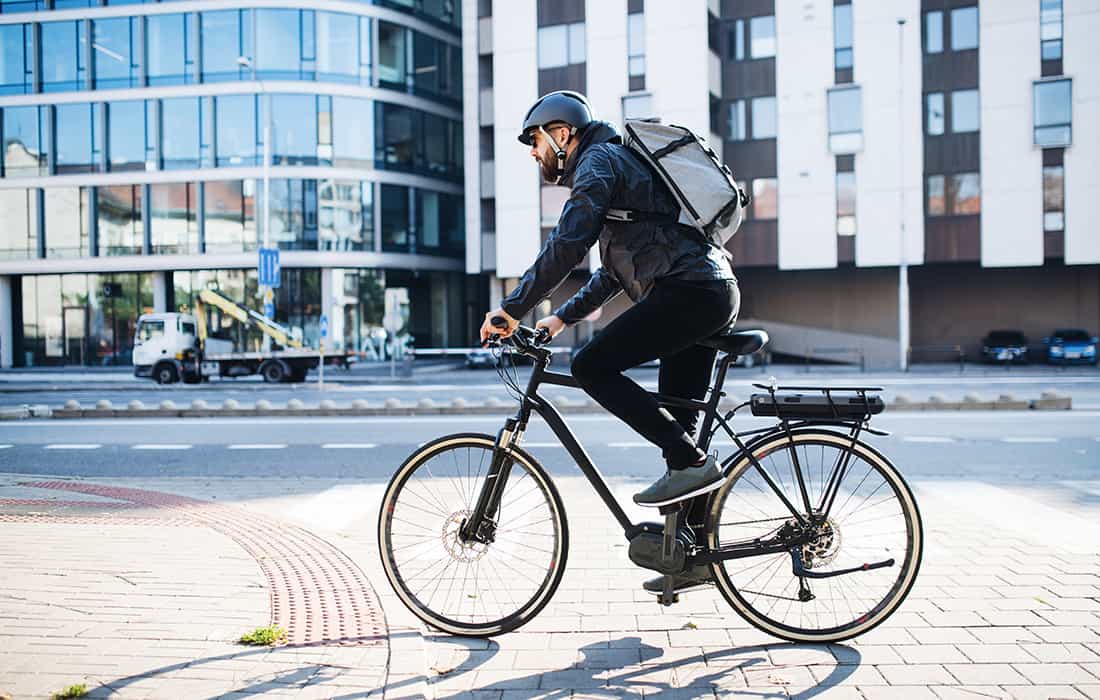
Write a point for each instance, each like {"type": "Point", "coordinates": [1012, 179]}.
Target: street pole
{"type": "Point", "coordinates": [903, 260]}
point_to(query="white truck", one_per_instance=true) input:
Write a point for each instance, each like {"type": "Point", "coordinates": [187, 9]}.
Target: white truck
{"type": "Point", "coordinates": [173, 347]}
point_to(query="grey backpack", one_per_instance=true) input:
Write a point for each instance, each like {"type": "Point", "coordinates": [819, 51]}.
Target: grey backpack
{"type": "Point", "coordinates": [709, 198]}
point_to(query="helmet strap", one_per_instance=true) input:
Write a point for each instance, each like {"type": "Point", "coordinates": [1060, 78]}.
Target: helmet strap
{"type": "Point", "coordinates": [559, 151]}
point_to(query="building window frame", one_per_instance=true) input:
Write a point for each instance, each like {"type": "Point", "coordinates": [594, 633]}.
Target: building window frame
{"type": "Point", "coordinates": [1052, 130]}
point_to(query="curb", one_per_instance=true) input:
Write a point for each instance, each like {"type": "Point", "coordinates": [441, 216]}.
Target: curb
{"type": "Point", "coordinates": [230, 408]}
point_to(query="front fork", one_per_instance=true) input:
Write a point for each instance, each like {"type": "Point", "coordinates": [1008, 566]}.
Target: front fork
{"type": "Point", "coordinates": [480, 525]}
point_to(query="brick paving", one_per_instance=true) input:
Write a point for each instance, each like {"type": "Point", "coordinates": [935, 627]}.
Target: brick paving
{"type": "Point", "coordinates": [144, 610]}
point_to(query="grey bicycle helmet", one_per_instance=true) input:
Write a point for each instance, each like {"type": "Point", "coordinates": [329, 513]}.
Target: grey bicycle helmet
{"type": "Point", "coordinates": [560, 107]}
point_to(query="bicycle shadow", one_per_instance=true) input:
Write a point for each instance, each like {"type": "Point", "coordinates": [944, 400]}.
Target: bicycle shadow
{"type": "Point", "coordinates": [610, 670]}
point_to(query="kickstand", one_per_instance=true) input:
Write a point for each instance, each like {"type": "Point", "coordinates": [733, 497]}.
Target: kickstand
{"type": "Point", "coordinates": [671, 512]}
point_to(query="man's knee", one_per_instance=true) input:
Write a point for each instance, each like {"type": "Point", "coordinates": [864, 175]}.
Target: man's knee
{"type": "Point", "coordinates": [582, 365]}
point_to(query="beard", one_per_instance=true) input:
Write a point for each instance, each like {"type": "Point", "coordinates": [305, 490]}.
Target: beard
{"type": "Point", "coordinates": [548, 166]}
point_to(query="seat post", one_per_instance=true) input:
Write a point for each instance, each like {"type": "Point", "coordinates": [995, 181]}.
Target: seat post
{"type": "Point", "coordinates": [715, 397]}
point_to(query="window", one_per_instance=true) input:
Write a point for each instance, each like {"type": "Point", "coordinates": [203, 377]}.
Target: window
{"type": "Point", "coordinates": [1054, 198]}
{"type": "Point", "coordinates": [235, 126]}
{"type": "Point", "coordinates": [16, 58]}
{"type": "Point", "coordinates": [561, 45]}
{"type": "Point", "coordinates": [842, 36]}
{"type": "Point", "coordinates": [846, 203]}
{"type": "Point", "coordinates": [229, 208]}
{"type": "Point", "coordinates": [964, 28]}
{"type": "Point", "coordinates": [126, 135]}
{"type": "Point", "coordinates": [934, 116]}
{"type": "Point", "coordinates": [395, 218]}
{"type": "Point", "coordinates": [24, 144]}
{"type": "Point", "coordinates": [352, 132]}
{"type": "Point", "coordinates": [765, 203]}
{"type": "Point", "coordinates": [279, 43]}
{"type": "Point", "coordinates": [635, 44]}
{"type": "Point", "coordinates": [19, 234]}
{"type": "Point", "coordinates": [73, 135]}
{"type": "Point", "coordinates": [964, 194]}
{"type": "Point", "coordinates": [338, 44]}
{"type": "Point", "coordinates": [957, 194]}
{"type": "Point", "coordinates": [63, 44]}
{"type": "Point", "coordinates": [397, 144]}
{"type": "Point", "coordinates": [737, 41]}
{"type": "Point", "coordinates": [148, 330]}
{"type": "Point", "coordinates": [168, 52]}
{"type": "Point", "coordinates": [293, 214]}
{"type": "Point", "coordinates": [763, 118]}
{"type": "Point", "coordinates": [294, 129]}
{"type": "Point", "coordinates": [845, 120]}
{"type": "Point", "coordinates": [66, 217]}
{"type": "Point", "coordinates": [345, 217]}
{"type": "Point", "coordinates": [637, 106]}
{"type": "Point", "coordinates": [173, 218]}
{"type": "Point", "coordinates": [1050, 29]}
{"type": "Point", "coordinates": [119, 219]}
{"type": "Point", "coordinates": [113, 49]}
{"type": "Point", "coordinates": [933, 32]}
{"type": "Point", "coordinates": [226, 36]}
{"type": "Point", "coordinates": [436, 67]}
{"type": "Point", "coordinates": [738, 128]}
{"type": "Point", "coordinates": [1053, 113]}
{"type": "Point", "coordinates": [762, 37]}
{"type": "Point", "coordinates": [179, 132]}
{"type": "Point", "coordinates": [965, 112]}
{"type": "Point", "coordinates": [391, 55]}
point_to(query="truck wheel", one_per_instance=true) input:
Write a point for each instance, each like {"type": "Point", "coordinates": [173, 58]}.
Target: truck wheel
{"type": "Point", "coordinates": [165, 374]}
{"type": "Point", "coordinates": [273, 372]}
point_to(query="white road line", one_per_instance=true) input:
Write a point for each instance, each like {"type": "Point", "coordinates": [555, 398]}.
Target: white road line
{"type": "Point", "coordinates": [348, 445]}
{"type": "Point", "coordinates": [254, 446]}
{"type": "Point", "coordinates": [540, 444]}
{"type": "Point", "coordinates": [1029, 439]}
{"type": "Point", "coordinates": [4, 447]}
{"type": "Point", "coordinates": [630, 444]}
{"type": "Point", "coordinates": [163, 446]}
{"type": "Point", "coordinates": [927, 438]}
{"type": "Point", "coordinates": [74, 446]}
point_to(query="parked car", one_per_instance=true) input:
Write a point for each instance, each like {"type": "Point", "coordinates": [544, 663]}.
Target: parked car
{"type": "Point", "coordinates": [1004, 346]}
{"type": "Point", "coordinates": [1066, 345]}
{"type": "Point", "coordinates": [480, 357]}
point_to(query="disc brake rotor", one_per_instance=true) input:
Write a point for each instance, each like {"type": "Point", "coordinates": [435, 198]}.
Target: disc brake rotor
{"type": "Point", "coordinates": [455, 546]}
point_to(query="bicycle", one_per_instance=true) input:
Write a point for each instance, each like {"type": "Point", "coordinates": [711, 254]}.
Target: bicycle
{"type": "Point", "coordinates": [478, 546]}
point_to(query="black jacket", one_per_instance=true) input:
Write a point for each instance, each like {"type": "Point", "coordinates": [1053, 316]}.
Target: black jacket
{"type": "Point", "coordinates": [604, 174]}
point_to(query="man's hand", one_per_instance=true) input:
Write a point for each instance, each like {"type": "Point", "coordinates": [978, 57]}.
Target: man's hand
{"type": "Point", "coordinates": [551, 323]}
{"type": "Point", "coordinates": [488, 329]}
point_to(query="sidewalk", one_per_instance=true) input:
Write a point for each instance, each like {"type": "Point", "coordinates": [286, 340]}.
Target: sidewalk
{"type": "Point", "coordinates": [138, 588]}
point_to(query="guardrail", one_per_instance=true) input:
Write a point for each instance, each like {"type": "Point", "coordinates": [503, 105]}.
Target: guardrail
{"type": "Point", "coordinates": [849, 351]}
{"type": "Point", "coordinates": [956, 350]}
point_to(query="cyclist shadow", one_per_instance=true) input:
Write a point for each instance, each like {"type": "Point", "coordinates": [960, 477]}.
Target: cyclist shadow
{"type": "Point", "coordinates": [616, 672]}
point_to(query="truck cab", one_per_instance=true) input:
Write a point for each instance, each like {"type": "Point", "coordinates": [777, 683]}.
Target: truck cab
{"type": "Point", "coordinates": [161, 343]}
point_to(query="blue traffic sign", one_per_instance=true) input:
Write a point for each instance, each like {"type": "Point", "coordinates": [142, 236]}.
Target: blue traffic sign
{"type": "Point", "coordinates": [269, 310]}
{"type": "Point", "coordinates": [324, 326]}
{"type": "Point", "coordinates": [269, 267]}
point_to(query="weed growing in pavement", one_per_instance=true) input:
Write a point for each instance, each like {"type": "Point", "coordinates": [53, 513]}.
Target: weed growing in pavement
{"type": "Point", "coordinates": [73, 691]}
{"type": "Point", "coordinates": [264, 636]}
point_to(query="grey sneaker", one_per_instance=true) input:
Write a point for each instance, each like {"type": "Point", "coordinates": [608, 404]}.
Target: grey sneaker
{"type": "Point", "coordinates": [694, 578]}
{"type": "Point", "coordinates": [679, 484]}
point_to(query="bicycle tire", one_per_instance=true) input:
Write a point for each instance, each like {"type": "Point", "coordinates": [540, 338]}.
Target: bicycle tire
{"type": "Point", "coordinates": [443, 620]}
{"type": "Point", "coordinates": [914, 539]}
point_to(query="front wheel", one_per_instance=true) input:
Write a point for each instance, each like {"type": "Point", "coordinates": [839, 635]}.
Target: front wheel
{"type": "Point", "coordinates": [873, 520]}
{"type": "Point", "coordinates": [466, 587]}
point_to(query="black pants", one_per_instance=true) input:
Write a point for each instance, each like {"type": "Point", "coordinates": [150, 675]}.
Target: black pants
{"type": "Point", "coordinates": [666, 324]}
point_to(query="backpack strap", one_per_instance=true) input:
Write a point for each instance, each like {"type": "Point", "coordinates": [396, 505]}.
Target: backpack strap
{"type": "Point", "coordinates": [632, 217]}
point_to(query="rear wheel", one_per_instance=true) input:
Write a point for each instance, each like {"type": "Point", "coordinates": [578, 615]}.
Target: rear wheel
{"type": "Point", "coordinates": [466, 587]}
{"type": "Point", "coordinates": [273, 372]}
{"type": "Point", "coordinates": [873, 519]}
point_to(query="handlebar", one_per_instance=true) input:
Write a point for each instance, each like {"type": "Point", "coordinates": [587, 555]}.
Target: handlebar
{"type": "Point", "coordinates": [524, 337]}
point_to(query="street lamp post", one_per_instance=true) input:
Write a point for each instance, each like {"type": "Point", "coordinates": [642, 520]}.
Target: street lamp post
{"type": "Point", "coordinates": [903, 260]}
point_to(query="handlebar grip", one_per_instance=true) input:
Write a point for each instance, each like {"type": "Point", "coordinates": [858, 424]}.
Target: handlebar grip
{"type": "Point", "coordinates": [499, 322]}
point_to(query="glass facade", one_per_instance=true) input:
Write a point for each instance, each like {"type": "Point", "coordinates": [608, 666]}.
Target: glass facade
{"type": "Point", "coordinates": [206, 209]}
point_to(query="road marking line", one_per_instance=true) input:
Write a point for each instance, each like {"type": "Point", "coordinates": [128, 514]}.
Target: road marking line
{"type": "Point", "coordinates": [1029, 439]}
{"type": "Point", "coordinates": [253, 446]}
{"type": "Point", "coordinates": [74, 446]}
{"type": "Point", "coordinates": [540, 444]}
{"type": "Point", "coordinates": [927, 438]}
{"type": "Point", "coordinates": [630, 444]}
{"type": "Point", "coordinates": [164, 446]}
{"type": "Point", "coordinates": [348, 445]}
{"type": "Point", "coordinates": [4, 447]}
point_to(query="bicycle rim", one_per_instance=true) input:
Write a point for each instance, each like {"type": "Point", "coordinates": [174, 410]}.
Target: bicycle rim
{"type": "Point", "coordinates": [471, 588]}
{"type": "Point", "coordinates": [874, 518]}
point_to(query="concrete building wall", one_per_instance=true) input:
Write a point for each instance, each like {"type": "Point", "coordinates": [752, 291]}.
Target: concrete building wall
{"type": "Point", "coordinates": [676, 63]}
{"type": "Point", "coordinates": [515, 80]}
{"type": "Point", "coordinates": [806, 182]}
{"type": "Point", "coordinates": [892, 147]}
{"type": "Point", "coordinates": [1011, 167]}
{"type": "Point", "coordinates": [606, 70]}
{"type": "Point", "coordinates": [471, 135]}
{"type": "Point", "coordinates": [1081, 61]}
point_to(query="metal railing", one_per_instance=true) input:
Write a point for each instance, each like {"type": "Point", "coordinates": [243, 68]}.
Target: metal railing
{"type": "Point", "coordinates": [956, 350]}
{"type": "Point", "coordinates": [851, 352]}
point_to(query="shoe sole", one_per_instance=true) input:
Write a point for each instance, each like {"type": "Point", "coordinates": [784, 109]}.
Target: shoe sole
{"type": "Point", "coordinates": [683, 497]}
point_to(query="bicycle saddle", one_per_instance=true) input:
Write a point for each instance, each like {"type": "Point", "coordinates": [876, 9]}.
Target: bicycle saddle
{"type": "Point", "coordinates": [737, 342]}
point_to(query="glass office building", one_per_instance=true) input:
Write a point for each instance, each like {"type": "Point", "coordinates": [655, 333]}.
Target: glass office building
{"type": "Point", "coordinates": [132, 170]}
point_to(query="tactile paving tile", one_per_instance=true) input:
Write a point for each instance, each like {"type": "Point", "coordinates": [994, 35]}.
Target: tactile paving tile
{"type": "Point", "coordinates": [317, 593]}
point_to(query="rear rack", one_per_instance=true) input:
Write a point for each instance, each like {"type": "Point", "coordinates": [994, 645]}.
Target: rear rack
{"type": "Point", "coordinates": [827, 406]}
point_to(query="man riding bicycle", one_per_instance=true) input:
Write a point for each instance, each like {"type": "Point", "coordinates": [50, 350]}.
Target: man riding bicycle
{"type": "Point", "coordinates": [683, 287]}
